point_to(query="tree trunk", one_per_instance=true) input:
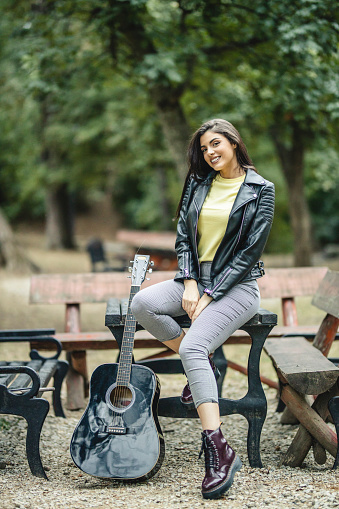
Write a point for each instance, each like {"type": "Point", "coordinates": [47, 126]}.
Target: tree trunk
{"type": "Point", "coordinates": [12, 256]}
{"type": "Point", "coordinates": [59, 218]}
{"type": "Point", "coordinates": [165, 219]}
{"type": "Point", "coordinates": [292, 164]}
{"type": "Point", "coordinates": [59, 203]}
{"type": "Point", "coordinates": [105, 215]}
{"type": "Point", "coordinates": [174, 125]}
{"type": "Point", "coordinates": [165, 97]}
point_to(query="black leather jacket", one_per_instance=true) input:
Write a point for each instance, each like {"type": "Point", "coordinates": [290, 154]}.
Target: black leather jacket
{"type": "Point", "coordinates": [237, 257]}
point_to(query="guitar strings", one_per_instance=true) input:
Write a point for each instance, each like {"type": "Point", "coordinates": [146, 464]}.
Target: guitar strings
{"type": "Point", "coordinates": [121, 392]}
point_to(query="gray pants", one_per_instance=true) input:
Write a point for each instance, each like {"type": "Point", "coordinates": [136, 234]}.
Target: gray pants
{"type": "Point", "coordinates": [154, 307]}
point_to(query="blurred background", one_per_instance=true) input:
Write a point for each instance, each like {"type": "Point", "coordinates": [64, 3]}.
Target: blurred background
{"type": "Point", "coordinates": [98, 100]}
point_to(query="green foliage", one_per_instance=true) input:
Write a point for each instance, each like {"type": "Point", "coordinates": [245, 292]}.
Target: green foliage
{"type": "Point", "coordinates": [322, 191]}
{"type": "Point", "coordinates": [79, 97]}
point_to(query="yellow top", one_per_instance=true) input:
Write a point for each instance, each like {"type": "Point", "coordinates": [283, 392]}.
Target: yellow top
{"type": "Point", "coordinates": [214, 215]}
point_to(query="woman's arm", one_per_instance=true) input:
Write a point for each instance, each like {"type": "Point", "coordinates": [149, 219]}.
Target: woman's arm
{"type": "Point", "coordinates": [183, 245]}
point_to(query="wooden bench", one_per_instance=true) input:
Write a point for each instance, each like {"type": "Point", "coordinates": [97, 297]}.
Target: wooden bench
{"type": "Point", "coordinates": [23, 382]}
{"type": "Point", "coordinates": [303, 369]}
{"type": "Point", "coordinates": [73, 290]}
{"type": "Point", "coordinates": [252, 406]}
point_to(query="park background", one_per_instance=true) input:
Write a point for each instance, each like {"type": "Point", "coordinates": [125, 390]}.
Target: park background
{"type": "Point", "coordinates": [98, 99]}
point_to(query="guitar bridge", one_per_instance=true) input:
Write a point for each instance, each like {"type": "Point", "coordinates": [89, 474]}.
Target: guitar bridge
{"type": "Point", "coordinates": [116, 430]}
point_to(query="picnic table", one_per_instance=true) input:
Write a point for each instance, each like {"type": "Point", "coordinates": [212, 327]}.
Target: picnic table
{"type": "Point", "coordinates": [303, 369]}
{"type": "Point", "coordinates": [73, 290]}
{"type": "Point", "coordinates": [159, 245]}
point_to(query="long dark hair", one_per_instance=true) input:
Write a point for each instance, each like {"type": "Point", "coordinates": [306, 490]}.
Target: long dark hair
{"type": "Point", "coordinates": [197, 166]}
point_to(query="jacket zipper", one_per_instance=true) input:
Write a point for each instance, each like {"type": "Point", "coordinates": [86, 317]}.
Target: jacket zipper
{"type": "Point", "coordinates": [242, 223]}
{"type": "Point", "coordinates": [186, 271]}
{"type": "Point", "coordinates": [209, 292]}
{"type": "Point", "coordinates": [196, 232]}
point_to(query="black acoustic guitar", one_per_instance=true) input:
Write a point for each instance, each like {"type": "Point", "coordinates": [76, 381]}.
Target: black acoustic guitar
{"type": "Point", "coordinates": [119, 435]}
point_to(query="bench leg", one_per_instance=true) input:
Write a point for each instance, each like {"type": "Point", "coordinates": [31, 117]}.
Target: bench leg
{"type": "Point", "coordinates": [220, 361]}
{"type": "Point", "coordinates": [333, 406]}
{"type": "Point", "coordinates": [76, 380]}
{"type": "Point", "coordinates": [58, 379]}
{"type": "Point", "coordinates": [35, 415]}
{"type": "Point", "coordinates": [312, 424]}
{"type": "Point", "coordinates": [255, 425]}
{"type": "Point", "coordinates": [281, 405]}
{"type": "Point", "coordinates": [255, 403]}
{"type": "Point", "coordinates": [34, 411]}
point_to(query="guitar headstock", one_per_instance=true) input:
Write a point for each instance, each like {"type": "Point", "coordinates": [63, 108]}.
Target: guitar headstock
{"type": "Point", "coordinates": [139, 269]}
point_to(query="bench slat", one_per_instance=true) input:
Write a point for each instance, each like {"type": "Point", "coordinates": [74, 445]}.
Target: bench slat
{"type": "Point", "coordinates": [7, 379]}
{"type": "Point", "coordinates": [24, 380]}
{"type": "Point", "coordinates": [81, 288]}
{"type": "Point", "coordinates": [72, 341]}
{"type": "Point", "coordinates": [24, 333]}
{"type": "Point", "coordinates": [304, 367]}
{"type": "Point", "coordinates": [113, 307]}
{"type": "Point", "coordinates": [47, 371]}
{"type": "Point", "coordinates": [290, 282]}
{"type": "Point", "coordinates": [327, 295]}
{"type": "Point", "coordinates": [100, 287]}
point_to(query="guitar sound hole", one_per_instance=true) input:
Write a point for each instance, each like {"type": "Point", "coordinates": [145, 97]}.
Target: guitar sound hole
{"type": "Point", "coordinates": [121, 397]}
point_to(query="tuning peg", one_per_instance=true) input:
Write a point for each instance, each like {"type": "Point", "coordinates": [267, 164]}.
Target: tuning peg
{"type": "Point", "coordinates": [150, 271]}
{"type": "Point", "coordinates": [148, 279]}
{"type": "Point", "coordinates": [152, 263]}
{"type": "Point", "coordinates": [130, 269]}
{"type": "Point", "coordinates": [129, 277]}
{"type": "Point", "coordinates": [131, 261]}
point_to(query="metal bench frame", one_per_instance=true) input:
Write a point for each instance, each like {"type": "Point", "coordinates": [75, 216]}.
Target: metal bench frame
{"type": "Point", "coordinates": [21, 385]}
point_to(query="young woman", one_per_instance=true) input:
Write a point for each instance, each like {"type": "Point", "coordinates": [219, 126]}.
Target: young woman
{"type": "Point", "coordinates": [224, 218]}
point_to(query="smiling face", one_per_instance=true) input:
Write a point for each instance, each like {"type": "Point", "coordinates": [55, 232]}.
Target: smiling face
{"type": "Point", "coordinates": [220, 154]}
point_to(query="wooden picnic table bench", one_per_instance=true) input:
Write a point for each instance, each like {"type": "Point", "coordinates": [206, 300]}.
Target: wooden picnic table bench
{"type": "Point", "coordinates": [23, 382]}
{"type": "Point", "coordinates": [303, 369]}
{"type": "Point", "coordinates": [73, 290]}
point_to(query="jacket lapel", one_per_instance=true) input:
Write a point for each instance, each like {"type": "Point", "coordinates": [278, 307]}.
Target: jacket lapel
{"type": "Point", "coordinates": [247, 192]}
{"type": "Point", "coordinates": [200, 196]}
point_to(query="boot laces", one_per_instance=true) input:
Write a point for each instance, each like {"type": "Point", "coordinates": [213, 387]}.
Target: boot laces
{"type": "Point", "coordinates": [211, 453]}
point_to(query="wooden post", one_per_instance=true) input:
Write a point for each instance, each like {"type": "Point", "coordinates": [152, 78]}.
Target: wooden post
{"type": "Point", "coordinates": [77, 378]}
{"type": "Point", "coordinates": [326, 334]}
{"type": "Point", "coordinates": [309, 418]}
{"type": "Point", "coordinates": [302, 441]}
{"type": "Point", "coordinates": [244, 371]}
{"type": "Point", "coordinates": [289, 309]}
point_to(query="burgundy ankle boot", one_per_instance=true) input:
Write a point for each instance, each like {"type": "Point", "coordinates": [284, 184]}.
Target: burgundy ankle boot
{"type": "Point", "coordinates": [186, 395]}
{"type": "Point", "coordinates": [221, 463]}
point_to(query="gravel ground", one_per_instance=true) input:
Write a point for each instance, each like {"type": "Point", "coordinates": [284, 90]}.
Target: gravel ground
{"type": "Point", "coordinates": [178, 482]}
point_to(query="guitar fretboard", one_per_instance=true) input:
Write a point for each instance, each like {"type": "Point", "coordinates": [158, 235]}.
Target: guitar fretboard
{"type": "Point", "coordinates": [126, 351]}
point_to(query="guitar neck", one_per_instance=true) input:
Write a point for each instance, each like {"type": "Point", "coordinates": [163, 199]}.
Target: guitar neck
{"type": "Point", "coordinates": [126, 351]}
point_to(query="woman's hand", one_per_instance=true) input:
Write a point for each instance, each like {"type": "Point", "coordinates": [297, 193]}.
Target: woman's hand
{"type": "Point", "coordinates": [203, 302]}
{"type": "Point", "coordinates": [190, 296]}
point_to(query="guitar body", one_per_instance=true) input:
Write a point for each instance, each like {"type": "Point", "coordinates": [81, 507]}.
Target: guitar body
{"type": "Point", "coordinates": [119, 437]}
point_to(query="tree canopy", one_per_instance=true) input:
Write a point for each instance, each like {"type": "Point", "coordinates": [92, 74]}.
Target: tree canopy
{"type": "Point", "coordinates": [100, 97]}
